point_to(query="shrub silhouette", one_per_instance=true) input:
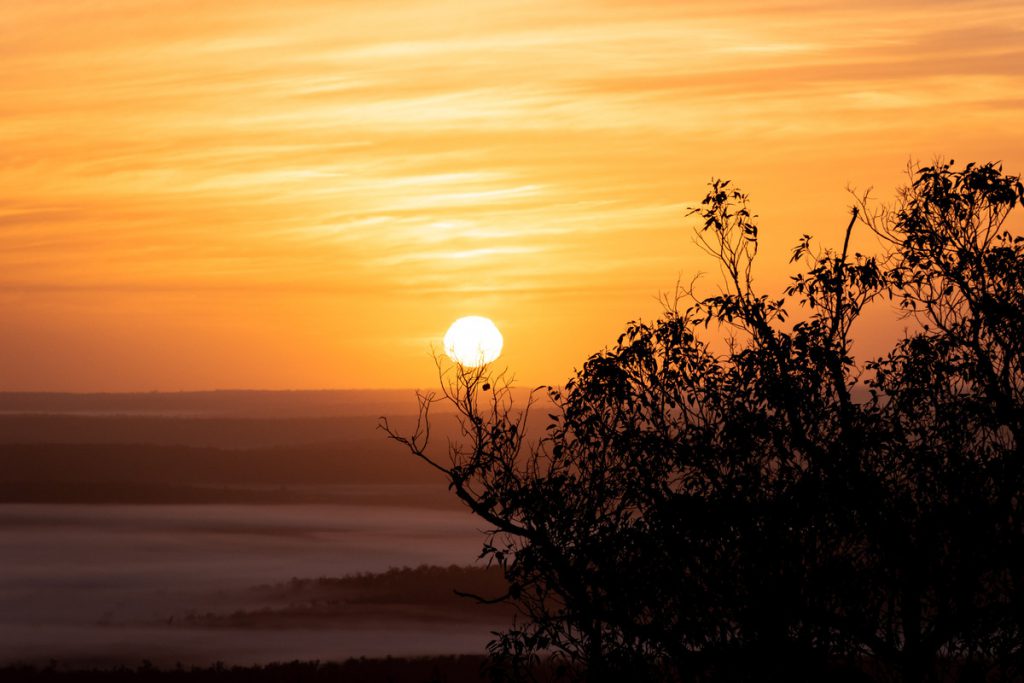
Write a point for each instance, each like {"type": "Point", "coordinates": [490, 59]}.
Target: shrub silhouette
{"type": "Point", "coordinates": [776, 510]}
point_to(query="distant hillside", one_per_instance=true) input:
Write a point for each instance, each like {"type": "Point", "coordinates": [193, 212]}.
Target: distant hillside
{"type": "Point", "coordinates": [250, 404]}
{"type": "Point", "coordinates": [425, 593]}
{"type": "Point", "coordinates": [191, 465]}
{"type": "Point", "coordinates": [89, 454]}
{"type": "Point", "coordinates": [145, 473]}
{"type": "Point", "coordinates": [354, 433]}
{"type": "Point", "coordinates": [216, 403]}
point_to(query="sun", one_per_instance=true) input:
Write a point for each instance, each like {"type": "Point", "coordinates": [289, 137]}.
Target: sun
{"type": "Point", "coordinates": [473, 341]}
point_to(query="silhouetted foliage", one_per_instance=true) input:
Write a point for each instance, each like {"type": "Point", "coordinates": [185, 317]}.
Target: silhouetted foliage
{"type": "Point", "coordinates": [727, 494]}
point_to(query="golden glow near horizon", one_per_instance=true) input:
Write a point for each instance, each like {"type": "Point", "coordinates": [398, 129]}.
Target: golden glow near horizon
{"type": "Point", "coordinates": [301, 195]}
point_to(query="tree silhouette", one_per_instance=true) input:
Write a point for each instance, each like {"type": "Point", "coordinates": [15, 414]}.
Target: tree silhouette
{"type": "Point", "coordinates": [727, 494]}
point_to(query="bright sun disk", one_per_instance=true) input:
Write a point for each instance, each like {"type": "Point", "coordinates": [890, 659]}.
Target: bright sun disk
{"type": "Point", "coordinates": [473, 341]}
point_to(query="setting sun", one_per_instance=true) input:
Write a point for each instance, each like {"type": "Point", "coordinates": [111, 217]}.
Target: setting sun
{"type": "Point", "coordinates": [473, 341]}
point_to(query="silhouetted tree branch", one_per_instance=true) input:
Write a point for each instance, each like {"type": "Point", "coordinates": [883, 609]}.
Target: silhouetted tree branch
{"type": "Point", "coordinates": [779, 510]}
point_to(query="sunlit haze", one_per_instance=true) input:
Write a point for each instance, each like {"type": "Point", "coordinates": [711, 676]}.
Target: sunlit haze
{"type": "Point", "coordinates": [306, 194]}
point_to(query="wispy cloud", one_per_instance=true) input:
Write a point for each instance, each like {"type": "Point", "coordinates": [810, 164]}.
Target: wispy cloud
{"type": "Point", "coordinates": [366, 151]}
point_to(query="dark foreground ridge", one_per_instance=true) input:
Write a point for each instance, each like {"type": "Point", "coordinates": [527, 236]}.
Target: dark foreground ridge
{"type": "Point", "coordinates": [454, 669]}
{"type": "Point", "coordinates": [434, 669]}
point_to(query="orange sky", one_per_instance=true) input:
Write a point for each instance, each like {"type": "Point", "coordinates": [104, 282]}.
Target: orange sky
{"type": "Point", "coordinates": [305, 194]}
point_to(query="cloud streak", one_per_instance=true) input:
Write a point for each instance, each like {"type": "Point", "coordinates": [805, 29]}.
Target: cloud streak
{"type": "Point", "coordinates": [367, 148]}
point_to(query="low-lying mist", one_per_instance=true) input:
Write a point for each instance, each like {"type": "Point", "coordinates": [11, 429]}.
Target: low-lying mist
{"type": "Point", "coordinates": [106, 584]}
